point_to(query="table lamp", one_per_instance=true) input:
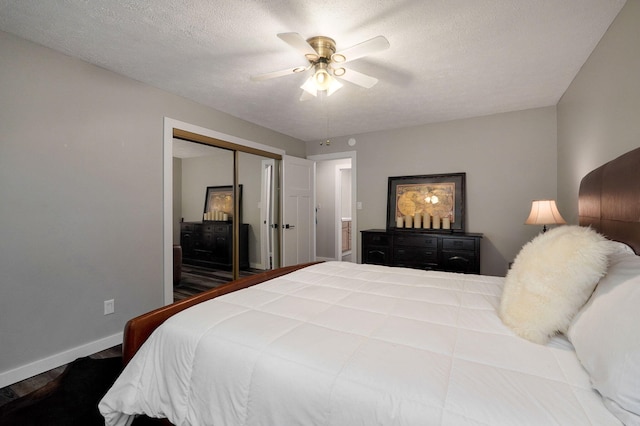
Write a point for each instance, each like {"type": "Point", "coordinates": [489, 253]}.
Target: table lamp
{"type": "Point", "coordinates": [544, 212]}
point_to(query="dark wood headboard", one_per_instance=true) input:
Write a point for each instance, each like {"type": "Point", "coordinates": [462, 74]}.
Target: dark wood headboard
{"type": "Point", "coordinates": [609, 199]}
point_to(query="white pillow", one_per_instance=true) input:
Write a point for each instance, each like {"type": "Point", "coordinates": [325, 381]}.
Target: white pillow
{"type": "Point", "coordinates": [606, 336]}
{"type": "Point", "coordinates": [551, 278]}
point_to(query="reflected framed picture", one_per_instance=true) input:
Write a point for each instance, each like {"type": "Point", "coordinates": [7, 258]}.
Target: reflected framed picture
{"type": "Point", "coordinates": [218, 203]}
{"type": "Point", "coordinates": [427, 202]}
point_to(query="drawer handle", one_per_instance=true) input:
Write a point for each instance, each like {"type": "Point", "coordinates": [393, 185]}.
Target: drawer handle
{"type": "Point", "coordinates": [376, 252]}
{"type": "Point", "coordinates": [459, 258]}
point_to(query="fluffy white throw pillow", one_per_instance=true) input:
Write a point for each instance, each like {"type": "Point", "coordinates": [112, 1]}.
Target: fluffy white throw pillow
{"type": "Point", "coordinates": [551, 278]}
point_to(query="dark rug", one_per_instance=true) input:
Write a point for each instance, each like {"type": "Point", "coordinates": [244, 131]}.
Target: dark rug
{"type": "Point", "coordinates": [69, 400]}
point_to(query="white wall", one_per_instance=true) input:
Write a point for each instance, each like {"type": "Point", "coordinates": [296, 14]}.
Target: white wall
{"type": "Point", "coordinates": [509, 159]}
{"type": "Point", "coordinates": [599, 114]}
{"type": "Point", "coordinates": [81, 185]}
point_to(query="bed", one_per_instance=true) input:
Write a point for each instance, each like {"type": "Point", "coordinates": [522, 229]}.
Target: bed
{"type": "Point", "coordinates": [337, 343]}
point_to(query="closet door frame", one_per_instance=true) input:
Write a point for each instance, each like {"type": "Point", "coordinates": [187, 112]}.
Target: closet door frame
{"type": "Point", "coordinates": [192, 133]}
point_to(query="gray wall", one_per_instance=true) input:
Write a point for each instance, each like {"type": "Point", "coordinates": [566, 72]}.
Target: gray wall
{"type": "Point", "coordinates": [509, 159]}
{"type": "Point", "coordinates": [599, 115]}
{"type": "Point", "coordinates": [81, 188]}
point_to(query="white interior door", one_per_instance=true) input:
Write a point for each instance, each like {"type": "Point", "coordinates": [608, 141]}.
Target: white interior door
{"type": "Point", "coordinates": [298, 215]}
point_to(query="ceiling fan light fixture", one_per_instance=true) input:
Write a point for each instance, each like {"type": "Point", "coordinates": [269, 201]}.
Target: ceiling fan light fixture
{"type": "Point", "coordinates": [309, 86]}
{"type": "Point", "coordinates": [338, 57]}
{"type": "Point", "coordinates": [322, 79]}
{"type": "Point", "coordinates": [320, 52]}
{"type": "Point", "coordinates": [338, 72]}
{"type": "Point", "coordinates": [333, 87]}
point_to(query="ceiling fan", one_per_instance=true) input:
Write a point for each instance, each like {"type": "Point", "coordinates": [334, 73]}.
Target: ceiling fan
{"type": "Point", "coordinates": [320, 52]}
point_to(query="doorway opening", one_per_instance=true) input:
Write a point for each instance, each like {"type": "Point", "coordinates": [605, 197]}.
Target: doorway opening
{"type": "Point", "coordinates": [336, 224]}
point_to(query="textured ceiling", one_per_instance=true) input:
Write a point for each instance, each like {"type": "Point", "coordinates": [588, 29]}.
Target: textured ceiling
{"type": "Point", "coordinates": [448, 59]}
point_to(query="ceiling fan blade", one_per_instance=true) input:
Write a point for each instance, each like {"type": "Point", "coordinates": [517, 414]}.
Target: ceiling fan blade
{"type": "Point", "coordinates": [365, 48]}
{"type": "Point", "coordinates": [296, 41]}
{"type": "Point", "coordinates": [359, 79]}
{"type": "Point", "coordinates": [281, 73]}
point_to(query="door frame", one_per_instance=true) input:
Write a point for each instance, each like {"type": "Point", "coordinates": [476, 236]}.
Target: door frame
{"type": "Point", "coordinates": [268, 214]}
{"type": "Point", "coordinates": [354, 193]}
{"type": "Point", "coordinates": [170, 125]}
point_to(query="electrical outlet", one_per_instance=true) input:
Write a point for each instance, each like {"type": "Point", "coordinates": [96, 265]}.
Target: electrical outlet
{"type": "Point", "coordinates": [109, 307]}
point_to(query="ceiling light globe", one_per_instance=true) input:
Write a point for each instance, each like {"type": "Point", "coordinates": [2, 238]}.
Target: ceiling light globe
{"type": "Point", "coordinates": [322, 79]}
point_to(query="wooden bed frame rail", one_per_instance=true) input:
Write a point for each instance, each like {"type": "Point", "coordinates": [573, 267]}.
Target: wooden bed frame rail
{"type": "Point", "coordinates": [138, 329]}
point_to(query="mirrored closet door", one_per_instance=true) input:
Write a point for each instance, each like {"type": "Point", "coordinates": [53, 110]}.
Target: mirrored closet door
{"type": "Point", "coordinates": [224, 209]}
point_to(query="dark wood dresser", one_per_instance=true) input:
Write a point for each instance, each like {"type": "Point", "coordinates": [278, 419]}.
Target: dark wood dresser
{"type": "Point", "coordinates": [452, 252]}
{"type": "Point", "coordinates": [209, 244]}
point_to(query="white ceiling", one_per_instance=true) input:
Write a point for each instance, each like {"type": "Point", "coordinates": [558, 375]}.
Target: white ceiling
{"type": "Point", "coordinates": [448, 59]}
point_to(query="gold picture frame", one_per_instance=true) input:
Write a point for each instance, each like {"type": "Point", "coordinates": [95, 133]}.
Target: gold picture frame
{"type": "Point", "coordinates": [427, 202]}
{"type": "Point", "coordinates": [218, 203]}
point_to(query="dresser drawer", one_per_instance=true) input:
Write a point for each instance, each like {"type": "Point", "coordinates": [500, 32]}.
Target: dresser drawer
{"type": "Point", "coordinates": [460, 261]}
{"type": "Point", "coordinates": [187, 226]}
{"type": "Point", "coordinates": [420, 249]}
{"type": "Point", "coordinates": [376, 256]}
{"type": "Point", "coordinates": [414, 254]}
{"type": "Point", "coordinates": [416, 241]}
{"type": "Point", "coordinates": [458, 244]}
{"type": "Point", "coordinates": [220, 229]}
{"type": "Point", "coordinates": [374, 239]}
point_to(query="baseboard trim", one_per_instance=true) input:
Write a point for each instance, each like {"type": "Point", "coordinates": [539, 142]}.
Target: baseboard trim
{"type": "Point", "coordinates": [256, 265]}
{"type": "Point", "coordinates": [23, 372]}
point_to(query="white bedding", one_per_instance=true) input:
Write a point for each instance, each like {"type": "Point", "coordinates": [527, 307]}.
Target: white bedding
{"type": "Point", "coordinates": [346, 344]}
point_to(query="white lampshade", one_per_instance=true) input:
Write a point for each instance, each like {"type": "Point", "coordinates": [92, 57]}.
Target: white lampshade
{"type": "Point", "coordinates": [309, 86]}
{"type": "Point", "coordinates": [321, 81]}
{"type": "Point", "coordinates": [544, 212]}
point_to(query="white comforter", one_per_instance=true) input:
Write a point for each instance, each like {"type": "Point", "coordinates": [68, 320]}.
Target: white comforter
{"type": "Point", "coordinates": [346, 344]}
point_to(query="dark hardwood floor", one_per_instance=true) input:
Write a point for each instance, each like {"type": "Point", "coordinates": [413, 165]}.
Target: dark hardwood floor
{"type": "Point", "coordinates": [31, 384]}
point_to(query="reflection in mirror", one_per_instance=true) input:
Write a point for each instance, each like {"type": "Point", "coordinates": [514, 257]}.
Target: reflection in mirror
{"type": "Point", "coordinates": [203, 222]}
{"type": "Point", "coordinates": [257, 175]}
{"type": "Point", "coordinates": [203, 243]}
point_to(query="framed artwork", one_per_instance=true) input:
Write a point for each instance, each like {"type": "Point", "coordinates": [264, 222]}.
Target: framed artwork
{"type": "Point", "coordinates": [218, 203]}
{"type": "Point", "coordinates": [427, 202]}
